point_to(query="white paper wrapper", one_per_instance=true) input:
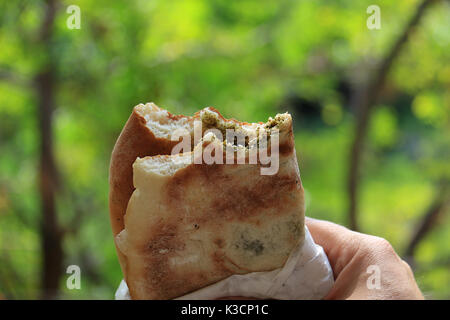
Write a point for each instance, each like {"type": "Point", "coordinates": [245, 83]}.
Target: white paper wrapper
{"type": "Point", "coordinates": [306, 275]}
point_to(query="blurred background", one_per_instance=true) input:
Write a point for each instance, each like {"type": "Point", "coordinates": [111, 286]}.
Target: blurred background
{"type": "Point", "coordinates": [371, 112]}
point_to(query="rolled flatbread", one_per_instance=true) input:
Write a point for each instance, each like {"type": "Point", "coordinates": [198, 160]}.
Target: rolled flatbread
{"type": "Point", "coordinates": [191, 222]}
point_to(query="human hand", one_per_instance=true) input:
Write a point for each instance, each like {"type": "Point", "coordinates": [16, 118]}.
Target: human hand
{"type": "Point", "coordinates": [351, 253]}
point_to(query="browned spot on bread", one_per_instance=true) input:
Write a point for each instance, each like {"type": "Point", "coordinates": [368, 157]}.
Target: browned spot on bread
{"type": "Point", "coordinates": [287, 147]}
{"type": "Point", "coordinates": [233, 200]}
{"type": "Point", "coordinates": [163, 244]}
{"type": "Point", "coordinates": [219, 242]}
{"type": "Point", "coordinates": [240, 202]}
{"type": "Point", "coordinates": [220, 262]}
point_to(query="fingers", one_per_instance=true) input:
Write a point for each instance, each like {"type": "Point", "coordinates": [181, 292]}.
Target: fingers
{"type": "Point", "coordinates": [339, 243]}
{"type": "Point", "coordinates": [327, 234]}
{"type": "Point", "coordinates": [351, 253]}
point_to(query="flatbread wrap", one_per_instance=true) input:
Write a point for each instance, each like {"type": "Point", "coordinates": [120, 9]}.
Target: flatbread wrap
{"type": "Point", "coordinates": [188, 221]}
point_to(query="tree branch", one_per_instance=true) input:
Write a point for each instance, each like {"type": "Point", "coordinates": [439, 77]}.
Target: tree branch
{"type": "Point", "coordinates": [51, 233]}
{"type": "Point", "coordinates": [363, 102]}
{"type": "Point", "coordinates": [428, 222]}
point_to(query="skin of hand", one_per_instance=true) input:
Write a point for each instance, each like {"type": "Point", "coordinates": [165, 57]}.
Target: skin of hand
{"type": "Point", "coordinates": [352, 253]}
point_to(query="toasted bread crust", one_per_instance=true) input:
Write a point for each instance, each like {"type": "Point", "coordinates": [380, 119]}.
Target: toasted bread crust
{"type": "Point", "coordinates": [135, 140]}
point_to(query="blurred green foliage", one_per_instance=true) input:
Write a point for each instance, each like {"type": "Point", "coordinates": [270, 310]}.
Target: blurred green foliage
{"type": "Point", "coordinates": [249, 59]}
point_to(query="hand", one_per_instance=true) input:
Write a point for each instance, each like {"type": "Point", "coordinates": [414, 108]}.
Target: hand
{"type": "Point", "coordinates": [351, 253]}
